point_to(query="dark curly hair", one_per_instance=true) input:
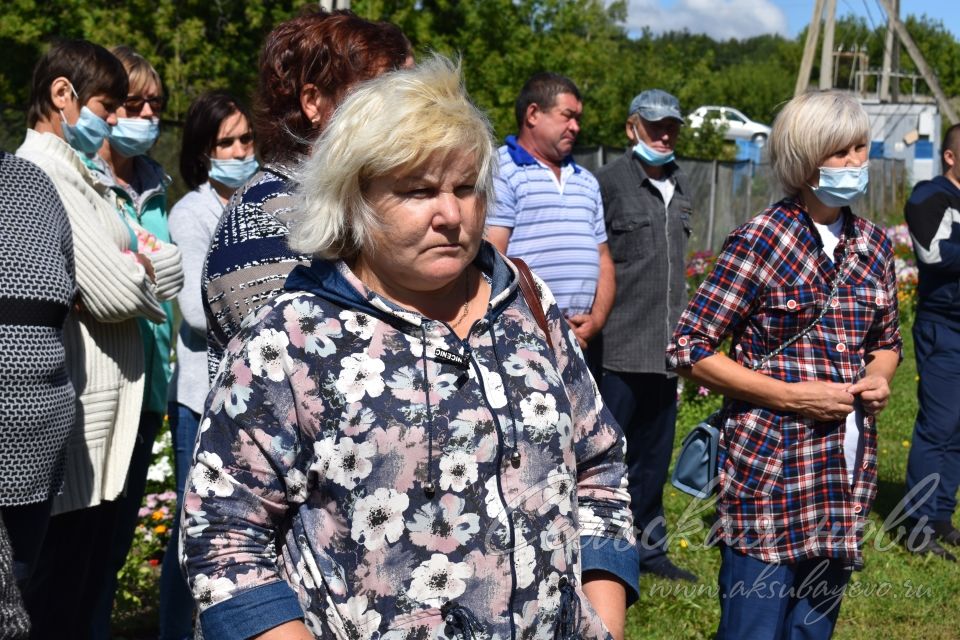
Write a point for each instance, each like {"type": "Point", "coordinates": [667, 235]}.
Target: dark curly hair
{"type": "Point", "coordinates": [332, 51]}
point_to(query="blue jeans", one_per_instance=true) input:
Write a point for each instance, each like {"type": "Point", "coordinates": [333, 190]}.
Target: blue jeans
{"type": "Point", "coordinates": [762, 601]}
{"type": "Point", "coordinates": [933, 467]}
{"type": "Point", "coordinates": [176, 601]}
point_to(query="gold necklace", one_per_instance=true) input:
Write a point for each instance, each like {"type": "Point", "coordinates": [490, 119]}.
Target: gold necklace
{"type": "Point", "coordinates": [466, 302]}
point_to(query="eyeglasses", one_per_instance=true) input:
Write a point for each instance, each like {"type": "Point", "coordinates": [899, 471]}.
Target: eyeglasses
{"type": "Point", "coordinates": [135, 103]}
{"type": "Point", "coordinates": [225, 143]}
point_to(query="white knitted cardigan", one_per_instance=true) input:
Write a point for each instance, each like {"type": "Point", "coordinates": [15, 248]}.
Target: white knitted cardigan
{"type": "Point", "coordinates": [104, 351]}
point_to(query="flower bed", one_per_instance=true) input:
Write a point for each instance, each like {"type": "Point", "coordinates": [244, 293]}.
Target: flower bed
{"type": "Point", "coordinates": [135, 606]}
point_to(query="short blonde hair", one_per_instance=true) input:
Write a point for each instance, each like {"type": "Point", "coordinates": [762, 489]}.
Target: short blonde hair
{"type": "Point", "coordinates": [810, 128]}
{"type": "Point", "coordinates": [398, 121]}
{"type": "Point", "coordinates": [139, 71]}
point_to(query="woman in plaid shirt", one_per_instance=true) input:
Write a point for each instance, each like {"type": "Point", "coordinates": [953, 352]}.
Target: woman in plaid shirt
{"type": "Point", "coordinates": [798, 444]}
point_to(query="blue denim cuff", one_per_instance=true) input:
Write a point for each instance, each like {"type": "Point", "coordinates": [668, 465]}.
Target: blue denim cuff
{"type": "Point", "coordinates": [251, 612]}
{"type": "Point", "coordinates": [605, 554]}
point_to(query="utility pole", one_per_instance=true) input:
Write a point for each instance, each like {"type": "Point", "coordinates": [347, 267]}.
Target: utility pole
{"type": "Point", "coordinates": [806, 64]}
{"type": "Point", "coordinates": [826, 53]}
{"type": "Point", "coordinates": [891, 59]}
{"type": "Point", "coordinates": [921, 63]}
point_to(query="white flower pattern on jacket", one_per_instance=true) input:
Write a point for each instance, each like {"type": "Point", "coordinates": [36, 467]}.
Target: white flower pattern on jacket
{"type": "Point", "coordinates": [326, 425]}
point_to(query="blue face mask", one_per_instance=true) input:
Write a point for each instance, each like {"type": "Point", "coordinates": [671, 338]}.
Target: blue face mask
{"type": "Point", "coordinates": [841, 186]}
{"type": "Point", "coordinates": [650, 156]}
{"type": "Point", "coordinates": [134, 136]}
{"type": "Point", "coordinates": [88, 134]}
{"type": "Point", "coordinates": [233, 173]}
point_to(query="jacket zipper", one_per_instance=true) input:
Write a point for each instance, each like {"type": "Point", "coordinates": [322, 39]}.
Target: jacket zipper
{"type": "Point", "coordinates": [666, 238]}
{"type": "Point", "coordinates": [503, 501]}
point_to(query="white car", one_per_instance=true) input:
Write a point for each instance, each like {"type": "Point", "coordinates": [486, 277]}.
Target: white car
{"type": "Point", "coordinates": [739, 126]}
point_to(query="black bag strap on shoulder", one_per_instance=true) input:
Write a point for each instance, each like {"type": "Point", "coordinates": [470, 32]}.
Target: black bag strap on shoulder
{"type": "Point", "coordinates": [530, 293]}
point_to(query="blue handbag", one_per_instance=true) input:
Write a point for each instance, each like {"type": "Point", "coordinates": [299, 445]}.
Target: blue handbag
{"type": "Point", "coordinates": [696, 470]}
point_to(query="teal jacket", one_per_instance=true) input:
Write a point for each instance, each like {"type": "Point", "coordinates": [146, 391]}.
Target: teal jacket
{"type": "Point", "coordinates": [145, 205]}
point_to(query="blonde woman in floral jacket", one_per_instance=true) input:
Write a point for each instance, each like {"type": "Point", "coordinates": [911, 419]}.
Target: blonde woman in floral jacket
{"type": "Point", "coordinates": [392, 448]}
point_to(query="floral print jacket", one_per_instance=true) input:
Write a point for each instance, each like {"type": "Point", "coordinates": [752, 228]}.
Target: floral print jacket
{"type": "Point", "coordinates": [361, 467]}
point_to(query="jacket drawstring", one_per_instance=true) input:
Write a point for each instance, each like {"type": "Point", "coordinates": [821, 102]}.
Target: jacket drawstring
{"type": "Point", "coordinates": [429, 489]}
{"type": "Point", "coordinates": [461, 621]}
{"type": "Point", "coordinates": [515, 456]}
{"type": "Point", "coordinates": [568, 613]}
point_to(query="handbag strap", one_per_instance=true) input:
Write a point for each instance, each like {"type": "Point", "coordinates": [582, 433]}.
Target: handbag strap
{"type": "Point", "coordinates": [833, 294]}
{"type": "Point", "coordinates": [529, 289]}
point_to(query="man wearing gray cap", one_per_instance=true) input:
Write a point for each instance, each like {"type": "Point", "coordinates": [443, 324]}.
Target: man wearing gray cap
{"type": "Point", "coordinates": [647, 210]}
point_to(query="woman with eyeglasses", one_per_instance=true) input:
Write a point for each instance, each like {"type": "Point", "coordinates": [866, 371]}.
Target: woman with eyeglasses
{"type": "Point", "coordinates": [216, 158]}
{"type": "Point", "coordinates": [140, 185]}
{"type": "Point", "coordinates": [123, 273]}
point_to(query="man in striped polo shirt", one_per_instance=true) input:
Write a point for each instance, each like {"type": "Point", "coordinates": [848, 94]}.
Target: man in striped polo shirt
{"type": "Point", "coordinates": [548, 210]}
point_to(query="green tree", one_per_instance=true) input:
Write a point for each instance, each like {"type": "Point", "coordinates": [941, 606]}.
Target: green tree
{"type": "Point", "coordinates": [503, 42]}
{"type": "Point", "coordinates": [194, 44]}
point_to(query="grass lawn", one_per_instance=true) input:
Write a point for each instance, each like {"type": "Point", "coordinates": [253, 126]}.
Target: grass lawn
{"type": "Point", "coordinates": [897, 595]}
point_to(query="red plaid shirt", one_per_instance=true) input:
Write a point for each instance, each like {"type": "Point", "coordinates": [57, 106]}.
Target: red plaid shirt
{"type": "Point", "coordinates": [784, 494]}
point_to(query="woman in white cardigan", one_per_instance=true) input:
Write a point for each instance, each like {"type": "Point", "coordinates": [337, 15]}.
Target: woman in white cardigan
{"type": "Point", "coordinates": [123, 273]}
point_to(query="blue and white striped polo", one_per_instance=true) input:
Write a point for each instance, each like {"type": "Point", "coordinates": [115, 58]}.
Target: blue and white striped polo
{"type": "Point", "coordinates": [557, 225]}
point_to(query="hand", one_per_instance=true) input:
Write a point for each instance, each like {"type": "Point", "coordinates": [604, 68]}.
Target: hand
{"type": "Point", "coordinates": [874, 393]}
{"type": "Point", "coordinates": [580, 341]}
{"type": "Point", "coordinates": [822, 401]}
{"type": "Point", "coordinates": [147, 266]}
{"type": "Point", "coordinates": [584, 327]}
{"type": "Point", "coordinates": [147, 242]}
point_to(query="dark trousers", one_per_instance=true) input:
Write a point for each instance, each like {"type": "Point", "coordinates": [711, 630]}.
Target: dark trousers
{"type": "Point", "coordinates": [645, 406]}
{"type": "Point", "coordinates": [26, 527]}
{"type": "Point", "coordinates": [61, 594]}
{"type": "Point", "coordinates": [125, 524]}
{"type": "Point", "coordinates": [933, 467]}
{"type": "Point", "coordinates": [761, 601]}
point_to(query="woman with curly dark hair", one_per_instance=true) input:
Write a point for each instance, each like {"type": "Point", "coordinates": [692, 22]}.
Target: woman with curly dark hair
{"type": "Point", "coordinates": [307, 66]}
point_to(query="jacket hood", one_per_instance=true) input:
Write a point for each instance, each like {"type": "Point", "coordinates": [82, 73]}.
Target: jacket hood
{"type": "Point", "coordinates": [335, 282]}
{"type": "Point", "coordinates": [153, 179]}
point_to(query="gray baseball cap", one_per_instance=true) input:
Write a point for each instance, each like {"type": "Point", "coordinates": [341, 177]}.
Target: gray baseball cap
{"type": "Point", "coordinates": [654, 105]}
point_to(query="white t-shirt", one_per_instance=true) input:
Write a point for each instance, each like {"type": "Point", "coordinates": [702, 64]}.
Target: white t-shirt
{"type": "Point", "coordinates": [830, 236]}
{"type": "Point", "coordinates": [666, 187]}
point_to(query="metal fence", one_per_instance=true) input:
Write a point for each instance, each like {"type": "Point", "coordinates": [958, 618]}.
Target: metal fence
{"type": "Point", "coordinates": [726, 194]}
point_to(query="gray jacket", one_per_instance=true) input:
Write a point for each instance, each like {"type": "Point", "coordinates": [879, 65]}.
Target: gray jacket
{"type": "Point", "coordinates": [193, 221]}
{"type": "Point", "coordinates": [648, 243]}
